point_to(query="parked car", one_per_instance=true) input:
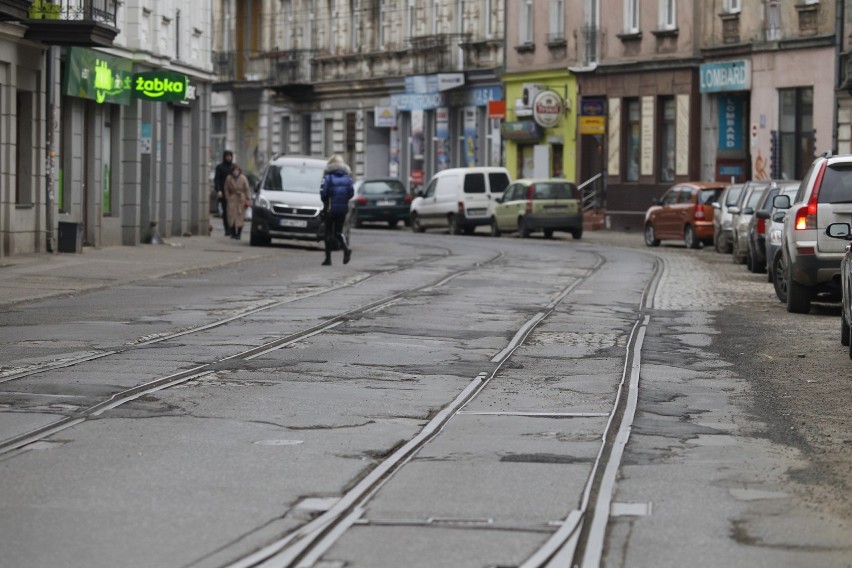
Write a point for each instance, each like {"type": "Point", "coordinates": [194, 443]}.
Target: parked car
{"type": "Point", "coordinates": [380, 200]}
{"type": "Point", "coordinates": [741, 214]}
{"type": "Point", "coordinates": [722, 231]}
{"type": "Point", "coordinates": [459, 199]}
{"type": "Point", "coordinates": [774, 227]}
{"type": "Point", "coordinates": [760, 221]}
{"type": "Point", "coordinates": [287, 202]}
{"type": "Point", "coordinates": [685, 212]}
{"type": "Point", "coordinates": [843, 232]}
{"type": "Point", "coordinates": [811, 259]}
{"type": "Point", "coordinates": [532, 205]}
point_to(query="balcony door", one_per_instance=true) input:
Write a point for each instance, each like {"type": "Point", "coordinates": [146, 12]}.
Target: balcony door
{"type": "Point", "coordinates": [249, 30]}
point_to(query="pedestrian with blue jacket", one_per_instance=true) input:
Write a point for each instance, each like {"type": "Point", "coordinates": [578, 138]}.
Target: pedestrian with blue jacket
{"type": "Point", "coordinates": [336, 191]}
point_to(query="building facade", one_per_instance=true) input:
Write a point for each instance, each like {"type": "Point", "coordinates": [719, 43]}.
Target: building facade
{"type": "Point", "coordinates": [400, 88]}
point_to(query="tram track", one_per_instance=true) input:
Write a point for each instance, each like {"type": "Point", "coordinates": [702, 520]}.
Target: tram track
{"type": "Point", "coordinates": [19, 442]}
{"type": "Point", "coordinates": [577, 538]}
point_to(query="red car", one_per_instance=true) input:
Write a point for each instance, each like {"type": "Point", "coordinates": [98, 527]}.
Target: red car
{"type": "Point", "coordinates": [684, 212]}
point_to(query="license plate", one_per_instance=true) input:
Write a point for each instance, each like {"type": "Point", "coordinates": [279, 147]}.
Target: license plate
{"type": "Point", "coordinates": [292, 223]}
{"type": "Point", "coordinates": [476, 211]}
{"type": "Point", "coordinates": [386, 202]}
{"type": "Point", "coordinates": [554, 208]}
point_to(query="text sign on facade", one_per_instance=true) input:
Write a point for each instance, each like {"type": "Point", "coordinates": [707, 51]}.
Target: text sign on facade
{"type": "Point", "coordinates": [163, 86]}
{"type": "Point", "coordinates": [385, 117]}
{"type": "Point", "coordinates": [98, 76]}
{"type": "Point", "coordinates": [727, 76]}
{"type": "Point", "coordinates": [592, 125]}
{"type": "Point", "coordinates": [593, 107]}
{"type": "Point", "coordinates": [547, 109]}
{"type": "Point", "coordinates": [730, 123]}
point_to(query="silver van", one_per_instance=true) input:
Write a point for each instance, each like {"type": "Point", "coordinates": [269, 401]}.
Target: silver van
{"type": "Point", "coordinates": [287, 204]}
{"type": "Point", "coordinates": [459, 199]}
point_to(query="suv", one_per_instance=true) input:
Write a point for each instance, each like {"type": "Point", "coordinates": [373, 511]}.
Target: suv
{"type": "Point", "coordinates": [287, 204]}
{"type": "Point", "coordinates": [811, 259]}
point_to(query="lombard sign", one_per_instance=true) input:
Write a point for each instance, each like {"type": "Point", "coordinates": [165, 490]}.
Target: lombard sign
{"type": "Point", "coordinates": [726, 76]}
{"type": "Point", "coordinates": [547, 109]}
{"type": "Point", "coordinates": [165, 86]}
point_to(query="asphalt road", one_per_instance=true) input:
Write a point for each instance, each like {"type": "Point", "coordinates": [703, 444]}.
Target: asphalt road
{"type": "Point", "coordinates": [444, 401]}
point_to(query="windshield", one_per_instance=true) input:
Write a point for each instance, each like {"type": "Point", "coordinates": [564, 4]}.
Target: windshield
{"type": "Point", "coordinates": [302, 178]}
{"type": "Point", "coordinates": [390, 187]}
{"type": "Point", "coordinates": [754, 198]}
{"type": "Point", "coordinates": [733, 195]}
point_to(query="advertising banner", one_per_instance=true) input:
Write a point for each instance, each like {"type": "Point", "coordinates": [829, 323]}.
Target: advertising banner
{"type": "Point", "coordinates": [731, 122]}
{"type": "Point", "coordinates": [98, 76]}
{"type": "Point", "coordinates": [470, 136]}
{"type": "Point", "coordinates": [165, 86]}
{"type": "Point", "coordinates": [442, 137]}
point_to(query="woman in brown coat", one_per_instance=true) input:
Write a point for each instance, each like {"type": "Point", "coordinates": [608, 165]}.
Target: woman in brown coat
{"type": "Point", "coordinates": [239, 196]}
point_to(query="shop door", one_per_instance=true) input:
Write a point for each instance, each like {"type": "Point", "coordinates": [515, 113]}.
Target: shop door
{"type": "Point", "coordinates": [591, 164]}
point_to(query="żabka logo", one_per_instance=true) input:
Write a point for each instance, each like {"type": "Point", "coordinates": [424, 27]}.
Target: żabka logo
{"type": "Point", "coordinates": [156, 87]}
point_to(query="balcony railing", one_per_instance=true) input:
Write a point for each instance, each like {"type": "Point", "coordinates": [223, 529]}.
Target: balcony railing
{"type": "Point", "coordinates": [72, 22]}
{"type": "Point", "coordinates": [293, 67]}
{"type": "Point", "coordinates": [100, 11]}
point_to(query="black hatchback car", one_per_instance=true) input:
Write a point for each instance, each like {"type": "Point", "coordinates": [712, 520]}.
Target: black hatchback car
{"type": "Point", "coordinates": [380, 200]}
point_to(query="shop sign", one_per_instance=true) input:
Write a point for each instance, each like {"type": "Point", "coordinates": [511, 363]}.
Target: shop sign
{"type": "Point", "coordinates": [447, 81]}
{"type": "Point", "coordinates": [521, 130]}
{"type": "Point", "coordinates": [475, 97]}
{"type": "Point", "coordinates": [385, 116]}
{"type": "Point", "coordinates": [593, 107]}
{"type": "Point", "coordinates": [592, 125]}
{"type": "Point", "coordinates": [409, 101]}
{"type": "Point", "coordinates": [165, 86]}
{"type": "Point", "coordinates": [727, 76]}
{"type": "Point", "coordinates": [98, 76]}
{"type": "Point", "coordinates": [497, 109]}
{"type": "Point", "coordinates": [730, 123]}
{"type": "Point", "coordinates": [547, 109]}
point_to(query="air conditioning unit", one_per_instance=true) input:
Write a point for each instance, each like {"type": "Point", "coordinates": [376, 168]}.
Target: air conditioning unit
{"type": "Point", "coordinates": [524, 105]}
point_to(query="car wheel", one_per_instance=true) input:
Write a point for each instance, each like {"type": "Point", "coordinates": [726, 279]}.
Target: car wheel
{"type": "Point", "coordinates": [455, 229]}
{"type": "Point", "coordinates": [717, 241]}
{"type": "Point", "coordinates": [495, 230]}
{"type": "Point", "coordinates": [548, 233]}
{"type": "Point", "coordinates": [689, 238]}
{"type": "Point", "coordinates": [415, 223]}
{"type": "Point", "coordinates": [577, 233]}
{"type": "Point", "coordinates": [523, 230]}
{"type": "Point", "coordinates": [779, 278]}
{"type": "Point", "coordinates": [393, 224]}
{"type": "Point", "coordinates": [798, 295]}
{"type": "Point", "coordinates": [651, 239]}
{"type": "Point", "coordinates": [844, 328]}
{"type": "Point", "coordinates": [749, 265]}
{"type": "Point", "coordinates": [754, 263]}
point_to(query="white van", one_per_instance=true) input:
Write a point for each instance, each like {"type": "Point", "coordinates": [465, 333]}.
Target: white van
{"type": "Point", "coordinates": [459, 199]}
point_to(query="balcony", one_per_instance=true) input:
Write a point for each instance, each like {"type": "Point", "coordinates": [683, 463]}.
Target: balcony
{"type": "Point", "coordinates": [83, 23]}
{"type": "Point", "coordinates": [279, 70]}
{"type": "Point", "coordinates": [437, 53]}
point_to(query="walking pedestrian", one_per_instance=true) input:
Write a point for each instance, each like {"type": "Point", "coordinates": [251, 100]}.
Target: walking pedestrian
{"type": "Point", "coordinates": [239, 196]}
{"type": "Point", "coordinates": [336, 191]}
{"type": "Point", "coordinates": [223, 170]}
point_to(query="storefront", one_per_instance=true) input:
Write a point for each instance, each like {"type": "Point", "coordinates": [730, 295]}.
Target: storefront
{"type": "Point", "coordinates": [725, 87]}
{"type": "Point", "coordinates": [541, 125]}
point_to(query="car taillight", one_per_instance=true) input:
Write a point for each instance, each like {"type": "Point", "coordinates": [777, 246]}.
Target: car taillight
{"type": "Point", "coordinates": [530, 193]}
{"type": "Point", "coordinates": [461, 207]}
{"type": "Point", "coordinates": [806, 217]}
{"type": "Point", "coordinates": [760, 226]}
{"type": "Point", "coordinates": [408, 198]}
{"type": "Point", "coordinates": [361, 200]}
{"type": "Point", "coordinates": [699, 213]}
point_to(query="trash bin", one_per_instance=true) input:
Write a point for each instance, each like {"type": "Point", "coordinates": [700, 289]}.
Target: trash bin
{"type": "Point", "coordinates": [70, 237]}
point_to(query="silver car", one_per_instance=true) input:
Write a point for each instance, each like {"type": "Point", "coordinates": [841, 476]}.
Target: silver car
{"type": "Point", "coordinates": [774, 217]}
{"type": "Point", "coordinates": [741, 214]}
{"type": "Point", "coordinates": [722, 231]}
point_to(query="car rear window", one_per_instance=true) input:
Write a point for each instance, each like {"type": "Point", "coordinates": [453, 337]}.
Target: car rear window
{"type": "Point", "coordinates": [304, 178]}
{"type": "Point", "coordinates": [755, 196]}
{"type": "Point", "coordinates": [498, 181]}
{"type": "Point", "coordinates": [733, 195]}
{"type": "Point", "coordinates": [708, 196]}
{"type": "Point", "coordinates": [474, 183]}
{"type": "Point", "coordinates": [836, 185]}
{"type": "Point", "coordinates": [383, 188]}
{"type": "Point", "coordinates": [557, 190]}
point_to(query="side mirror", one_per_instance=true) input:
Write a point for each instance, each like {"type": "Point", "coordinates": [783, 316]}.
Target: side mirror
{"type": "Point", "coordinates": [656, 201]}
{"type": "Point", "coordinates": [762, 214]}
{"type": "Point", "coordinates": [734, 210]}
{"type": "Point", "coordinates": [717, 206]}
{"type": "Point", "coordinates": [839, 231]}
{"type": "Point", "coordinates": [779, 217]}
{"type": "Point", "coordinates": [781, 202]}
{"type": "Point", "coordinates": [748, 211]}
{"type": "Point", "coordinates": [498, 199]}
{"type": "Point", "coordinates": [418, 193]}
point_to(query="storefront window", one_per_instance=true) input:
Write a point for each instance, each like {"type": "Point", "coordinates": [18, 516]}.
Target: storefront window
{"type": "Point", "coordinates": [633, 133]}
{"type": "Point", "coordinates": [796, 132]}
{"type": "Point", "coordinates": [667, 138]}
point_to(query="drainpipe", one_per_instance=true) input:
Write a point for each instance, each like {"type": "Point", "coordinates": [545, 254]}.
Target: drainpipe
{"type": "Point", "coordinates": [50, 146]}
{"type": "Point", "coordinates": [838, 70]}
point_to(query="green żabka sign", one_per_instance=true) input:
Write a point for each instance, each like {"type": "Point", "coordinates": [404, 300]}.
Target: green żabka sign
{"type": "Point", "coordinates": [107, 79]}
{"type": "Point", "coordinates": [160, 86]}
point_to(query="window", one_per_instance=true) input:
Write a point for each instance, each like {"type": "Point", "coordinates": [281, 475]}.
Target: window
{"type": "Point", "coordinates": [671, 197]}
{"type": "Point", "coordinates": [668, 17]}
{"type": "Point", "coordinates": [667, 138]}
{"type": "Point", "coordinates": [436, 15]}
{"type": "Point", "coordinates": [218, 134]}
{"type": "Point", "coordinates": [409, 21]}
{"type": "Point", "coordinates": [525, 31]}
{"type": "Point", "coordinates": [796, 132]}
{"type": "Point", "coordinates": [772, 20]}
{"type": "Point", "coordinates": [328, 137]}
{"type": "Point", "coordinates": [355, 35]}
{"type": "Point", "coordinates": [557, 20]}
{"type": "Point", "coordinates": [285, 30]}
{"type": "Point", "coordinates": [474, 183]}
{"type": "Point", "coordinates": [383, 26]}
{"type": "Point", "coordinates": [307, 132]}
{"type": "Point", "coordinates": [309, 29]}
{"type": "Point", "coordinates": [631, 16]}
{"type": "Point", "coordinates": [633, 134]}
{"type": "Point", "coordinates": [489, 22]}
{"type": "Point", "coordinates": [285, 134]}
{"type": "Point", "coordinates": [592, 27]}
{"type": "Point", "coordinates": [733, 6]}
{"type": "Point", "coordinates": [24, 130]}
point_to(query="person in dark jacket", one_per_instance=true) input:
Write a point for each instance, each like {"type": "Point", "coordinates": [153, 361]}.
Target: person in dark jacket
{"type": "Point", "coordinates": [336, 191]}
{"type": "Point", "coordinates": [223, 170]}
